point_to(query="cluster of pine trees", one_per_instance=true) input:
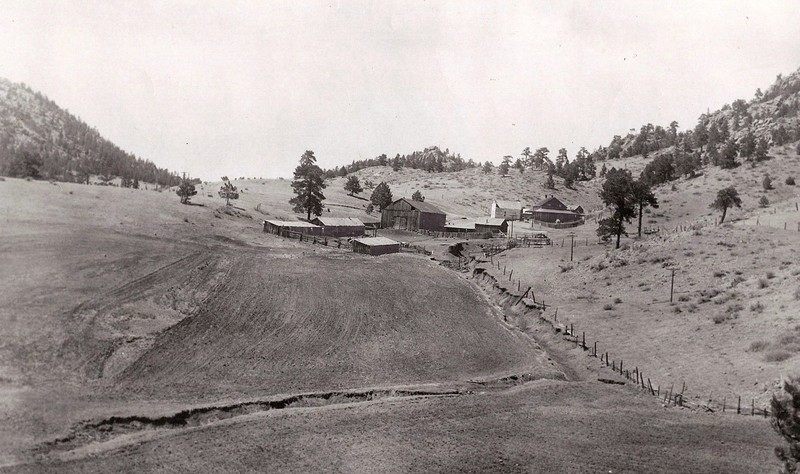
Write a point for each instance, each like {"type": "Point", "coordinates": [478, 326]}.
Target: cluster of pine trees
{"type": "Point", "coordinates": [431, 159]}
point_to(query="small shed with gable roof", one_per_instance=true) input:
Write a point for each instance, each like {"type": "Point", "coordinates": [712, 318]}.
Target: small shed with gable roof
{"type": "Point", "coordinates": [375, 246]}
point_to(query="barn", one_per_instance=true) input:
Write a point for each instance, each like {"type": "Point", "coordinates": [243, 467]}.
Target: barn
{"type": "Point", "coordinates": [552, 210]}
{"type": "Point", "coordinates": [491, 224]}
{"type": "Point", "coordinates": [340, 226]}
{"type": "Point", "coordinates": [511, 210]}
{"type": "Point", "coordinates": [277, 227]}
{"type": "Point", "coordinates": [406, 214]}
{"type": "Point", "coordinates": [375, 246]}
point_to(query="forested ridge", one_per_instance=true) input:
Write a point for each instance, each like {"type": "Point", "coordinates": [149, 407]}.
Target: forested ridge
{"type": "Point", "coordinates": [42, 140]}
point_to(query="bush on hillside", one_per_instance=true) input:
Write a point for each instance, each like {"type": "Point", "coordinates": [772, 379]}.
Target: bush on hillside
{"type": "Point", "coordinates": [790, 181]}
{"type": "Point", "coordinates": [763, 202]}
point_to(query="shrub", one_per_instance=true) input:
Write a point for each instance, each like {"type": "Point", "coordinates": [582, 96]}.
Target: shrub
{"type": "Point", "coordinates": [762, 283]}
{"type": "Point", "coordinates": [767, 183]}
{"type": "Point", "coordinates": [770, 275]}
{"type": "Point", "coordinates": [763, 202]}
{"type": "Point", "coordinates": [790, 180]}
{"type": "Point", "coordinates": [608, 306]}
{"type": "Point", "coordinates": [777, 355]}
{"type": "Point", "coordinates": [758, 346]}
{"type": "Point", "coordinates": [719, 318]}
{"type": "Point", "coordinates": [719, 274]}
{"type": "Point", "coordinates": [757, 307]}
{"type": "Point", "coordinates": [683, 298]}
{"type": "Point", "coordinates": [617, 301]}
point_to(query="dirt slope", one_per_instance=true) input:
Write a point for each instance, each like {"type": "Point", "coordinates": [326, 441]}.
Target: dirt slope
{"type": "Point", "coordinates": [283, 325]}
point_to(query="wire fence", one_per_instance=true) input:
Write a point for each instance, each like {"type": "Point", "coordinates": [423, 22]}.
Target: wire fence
{"type": "Point", "coordinates": [629, 370]}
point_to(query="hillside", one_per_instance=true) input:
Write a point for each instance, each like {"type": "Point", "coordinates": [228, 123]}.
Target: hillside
{"type": "Point", "coordinates": [40, 139]}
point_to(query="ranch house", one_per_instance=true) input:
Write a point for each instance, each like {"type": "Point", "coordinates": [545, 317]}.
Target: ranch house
{"type": "Point", "coordinates": [552, 210]}
{"type": "Point", "coordinates": [340, 226]}
{"type": "Point", "coordinates": [511, 210]}
{"type": "Point", "coordinates": [406, 214]}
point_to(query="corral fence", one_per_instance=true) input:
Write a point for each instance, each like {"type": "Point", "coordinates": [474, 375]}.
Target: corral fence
{"type": "Point", "coordinates": [456, 235]}
{"type": "Point", "coordinates": [672, 396]}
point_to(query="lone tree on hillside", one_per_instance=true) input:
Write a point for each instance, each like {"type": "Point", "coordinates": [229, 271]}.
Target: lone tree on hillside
{"type": "Point", "coordinates": [228, 191]}
{"type": "Point", "coordinates": [417, 196]}
{"type": "Point", "coordinates": [550, 182]}
{"type": "Point", "coordinates": [487, 167]}
{"type": "Point", "coordinates": [135, 183]}
{"type": "Point", "coordinates": [617, 192]}
{"type": "Point", "coordinates": [504, 166]}
{"type": "Point", "coordinates": [353, 185]}
{"type": "Point", "coordinates": [381, 196]}
{"type": "Point", "coordinates": [786, 421]}
{"type": "Point", "coordinates": [727, 197]}
{"type": "Point", "coordinates": [308, 183]}
{"type": "Point", "coordinates": [644, 197]}
{"type": "Point", "coordinates": [186, 190]}
{"type": "Point", "coordinates": [767, 183]}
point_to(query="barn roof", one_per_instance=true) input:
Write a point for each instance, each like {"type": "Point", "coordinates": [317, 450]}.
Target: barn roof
{"type": "Point", "coordinates": [554, 211]}
{"type": "Point", "coordinates": [290, 223]}
{"type": "Point", "coordinates": [548, 199]}
{"type": "Point", "coordinates": [508, 204]}
{"type": "Point", "coordinates": [421, 206]}
{"type": "Point", "coordinates": [339, 221]}
{"type": "Point", "coordinates": [376, 241]}
{"type": "Point", "coordinates": [494, 221]}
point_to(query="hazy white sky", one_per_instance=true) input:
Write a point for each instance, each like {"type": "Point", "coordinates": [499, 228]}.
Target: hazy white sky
{"type": "Point", "coordinates": [243, 88]}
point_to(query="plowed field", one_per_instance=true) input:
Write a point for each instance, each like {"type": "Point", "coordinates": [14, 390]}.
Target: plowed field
{"type": "Point", "coordinates": [282, 325]}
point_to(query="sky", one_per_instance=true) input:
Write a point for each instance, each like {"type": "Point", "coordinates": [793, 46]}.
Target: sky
{"type": "Point", "coordinates": [243, 88]}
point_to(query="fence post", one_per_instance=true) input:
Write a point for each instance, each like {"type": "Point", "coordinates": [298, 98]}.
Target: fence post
{"type": "Point", "coordinates": [739, 406]}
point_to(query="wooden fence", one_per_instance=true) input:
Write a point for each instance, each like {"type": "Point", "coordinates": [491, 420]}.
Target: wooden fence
{"type": "Point", "coordinates": [670, 396]}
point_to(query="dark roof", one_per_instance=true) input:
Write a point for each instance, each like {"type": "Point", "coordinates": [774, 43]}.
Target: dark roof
{"type": "Point", "coordinates": [339, 221]}
{"type": "Point", "coordinates": [422, 206]}
{"type": "Point", "coordinates": [551, 198]}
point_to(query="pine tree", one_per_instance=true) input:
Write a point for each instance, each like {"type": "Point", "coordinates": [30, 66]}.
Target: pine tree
{"type": "Point", "coordinates": [353, 185]}
{"type": "Point", "coordinates": [308, 183]}
{"type": "Point", "coordinates": [381, 196]}
{"type": "Point", "coordinates": [228, 191]}
{"type": "Point", "coordinates": [726, 198]}
{"type": "Point", "coordinates": [186, 190]}
{"type": "Point", "coordinates": [786, 422]}
{"type": "Point", "coordinates": [417, 196]}
{"type": "Point", "coordinates": [618, 192]}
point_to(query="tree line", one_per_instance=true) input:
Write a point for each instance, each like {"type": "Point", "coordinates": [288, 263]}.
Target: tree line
{"type": "Point", "coordinates": [431, 159]}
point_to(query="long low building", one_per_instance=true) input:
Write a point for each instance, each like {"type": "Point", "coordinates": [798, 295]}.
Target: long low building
{"type": "Point", "coordinates": [274, 226]}
{"type": "Point", "coordinates": [375, 246]}
{"type": "Point", "coordinates": [340, 226]}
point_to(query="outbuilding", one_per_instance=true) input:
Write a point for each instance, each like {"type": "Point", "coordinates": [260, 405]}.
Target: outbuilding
{"type": "Point", "coordinates": [340, 226]}
{"type": "Point", "coordinates": [511, 210]}
{"type": "Point", "coordinates": [491, 224]}
{"type": "Point", "coordinates": [406, 214]}
{"type": "Point", "coordinates": [277, 227]}
{"type": "Point", "coordinates": [375, 246]}
{"type": "Point", "coordinates": [462, 225]}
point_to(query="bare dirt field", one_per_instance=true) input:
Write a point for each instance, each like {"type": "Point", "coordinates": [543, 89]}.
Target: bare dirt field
{"type": "Point", "coordinates": [139, 334]}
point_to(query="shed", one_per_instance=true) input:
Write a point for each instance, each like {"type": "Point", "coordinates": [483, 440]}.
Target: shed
{"type": "Point", "coordinates": [511, 210]}
{"type": "Point", "coordinates": [407, 214]}
{"type": "Point", "coordinates": [375, 246]}
{"type": "Point", "coordinates": [340, 226]}
{"type": "Point", "coordinates": [460, 226]}
{"type": "Point", "coordinates": [370, 222]}
{"type": "Point", "coordinates": [279, 227]}
{"type": "Point", "coordinates": [491, 224]}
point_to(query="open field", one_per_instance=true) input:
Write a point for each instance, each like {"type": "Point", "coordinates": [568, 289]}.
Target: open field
{"type": "Point", "coordinates": [189, 334]}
